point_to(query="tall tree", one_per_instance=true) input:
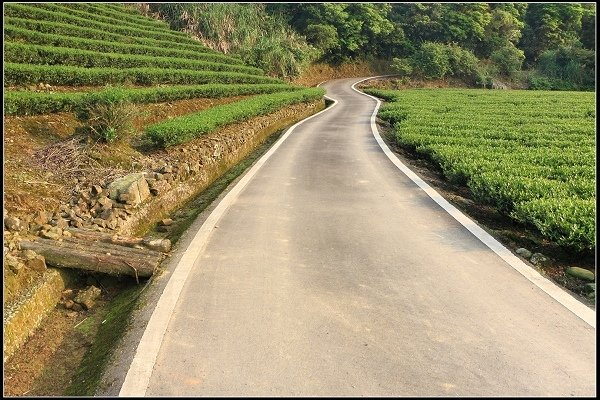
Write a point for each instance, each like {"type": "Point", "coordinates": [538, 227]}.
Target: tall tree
{"type": "Point", "coordinates": [588, 26]}
{"type": "Point", "coordinates": [341, 30]}
{"type": "Point", "coordinates": [549, 25]}
{"type": "Point", "coordinates": [504, 29]}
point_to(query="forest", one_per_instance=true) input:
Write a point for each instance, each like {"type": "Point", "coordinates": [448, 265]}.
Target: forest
{"type": "Point", "coordinates": [547, 45]}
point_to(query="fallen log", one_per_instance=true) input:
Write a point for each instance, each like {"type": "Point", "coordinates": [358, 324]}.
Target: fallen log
{"type": "Point", "coordinates": [103, 247]}
{"type": "Point", "coordinates": [69, 254]}
{"type": "Point", "coordinates": [163, 245]}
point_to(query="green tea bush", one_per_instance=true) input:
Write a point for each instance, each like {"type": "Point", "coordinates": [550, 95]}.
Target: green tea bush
{"type": "Point", "coordinates": [187, 127]}
{"type": "Point", "coordinates": [50, 55]}
{"type": "Point", "coordinates": [17, 34]}
{"type": "Point", "coordinates": [530, 154]}
{"type": "Point", "coordinates": [31, 103]}
{"type": "Point", "coordinates": [24, 74]}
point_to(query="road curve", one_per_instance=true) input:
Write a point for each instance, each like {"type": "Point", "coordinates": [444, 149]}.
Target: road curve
{"type": "Point", "coordinates": [333, 274]}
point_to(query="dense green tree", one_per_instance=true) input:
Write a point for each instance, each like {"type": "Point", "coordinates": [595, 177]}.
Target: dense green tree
{"type": "Point", "coordinates": [358, 26]}
{"type": "Point", "coordinates": [549, 25]}
{"type": "Point", "coordinates": [508, 59]}
{"type": "Point", "coordinates": [462, 23]}
{"type": "Point", "coordinates": [504, 29]}
{"type": "Point", "coordinates": [431, 60]}
{"type": "Point", "coordinates": [588, 26]}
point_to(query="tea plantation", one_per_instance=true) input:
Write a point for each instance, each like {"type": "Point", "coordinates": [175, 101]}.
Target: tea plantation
{"type": "Point", "coordinates": [84, 48]}
{"type": "Point", "coordinates": [529, 153]}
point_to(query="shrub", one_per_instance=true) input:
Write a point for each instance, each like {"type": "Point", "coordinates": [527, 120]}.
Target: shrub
{"type": "Point", "coordinates": [571, 64]}
{"type": "Point", "coordinates": [431, 60]}
{"type": "Point", "coordinates": [402, 66]}
{"type": "Point", "coordinates": [109, 117]}
{"type": "Point", "coordinates": [508, 59]}
{"type": "Point", "coordinates": [462, 62]}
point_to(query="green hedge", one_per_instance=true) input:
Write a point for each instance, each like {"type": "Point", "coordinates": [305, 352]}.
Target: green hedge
{"type": "Point", "coordinates": [32, 103]}
{"type": "Point", "coordinates": [36, 13]}
{"type": "Point", "coordinates": [101, 9]}
{"type": "Point", "coordinates": [49, 55]}
{"type": "Point", "coordinates": [183, 129]}
{"type": "Point", "coordinates": [25, 74]}
{"type": "Point", "coordinates": [17, 34]}
{"type": "Point", "coordinates": [59, 28]}
{"type": "Point", "coordinates": [73, 9]}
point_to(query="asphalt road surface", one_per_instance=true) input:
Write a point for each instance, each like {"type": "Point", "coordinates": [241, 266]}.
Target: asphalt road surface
{"type": "Point", "coordinates": [333, 274]}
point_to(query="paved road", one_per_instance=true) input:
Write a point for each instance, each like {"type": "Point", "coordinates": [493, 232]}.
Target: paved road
{"type": "Point", "coordinates": [333, 274]}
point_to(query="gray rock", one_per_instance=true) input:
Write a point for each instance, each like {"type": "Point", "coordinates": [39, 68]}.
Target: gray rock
{"type": "Point", "coordinates": [166, 222]}
{"type": "Point", "coordinates": [77, 223]}
{"type": "Point", "coordinates": [163, 245]}
{"type": "Point", "coordinates": [133, 185]}
{"type": "Point", "coordinates": [12, 223]}
{"type": "Point", "coordinates": [87, 298]}
{"type": "Point", "coordinates": [581, 273]}
{"type": "Point", "coordinates": [100, 222]}
{"type": "Point", "coordinates": [29, 254]}
{"type": "Point", "coordinates": [60, 223]}
{"type": "Point", "coordinates": [108, 214]}
{"type": "Point", "coordinates": [160, 187]}
{"type": "Point", "coordinates": [105, 202]}
{"type": "Point", "coordinates": [523, 252]}
{"type": "Point", "coordinates": [538, 258]}
{"type": "Point", "coordinates": [166, 169]}
{"type": "Point", "coordinates": [112, 224]}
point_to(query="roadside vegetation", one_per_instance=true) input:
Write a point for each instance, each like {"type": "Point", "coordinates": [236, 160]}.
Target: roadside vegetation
{"type": "Point", "coordinates": [187, 127]}
{"type": "Point", "coordinates": [529, 154]}
{"type": "Point", "coordinates": [537, 46]}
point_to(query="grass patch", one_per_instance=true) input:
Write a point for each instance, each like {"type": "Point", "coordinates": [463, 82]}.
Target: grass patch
{"type": "Point", "coordinates": [87, 378]}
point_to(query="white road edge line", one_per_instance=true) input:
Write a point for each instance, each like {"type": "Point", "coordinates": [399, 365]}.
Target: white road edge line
{"type": "Point", "coordinates": [138, 376]}
{"type": "Point", "coordinates": [572, 304]}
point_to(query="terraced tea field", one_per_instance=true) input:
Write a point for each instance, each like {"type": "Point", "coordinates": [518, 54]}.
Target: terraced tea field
{"type": "Point", "coordinates": [530, 154]}
{"type": "Point", "coordinates": [82, 48]}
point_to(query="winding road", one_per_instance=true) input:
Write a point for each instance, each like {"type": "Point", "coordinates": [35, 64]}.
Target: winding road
{"type": "Point", "coordinates": [331, 273]}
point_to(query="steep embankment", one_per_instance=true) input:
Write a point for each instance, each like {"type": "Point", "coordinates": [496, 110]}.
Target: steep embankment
{"type": "Point", "coordinates": [94, 92]}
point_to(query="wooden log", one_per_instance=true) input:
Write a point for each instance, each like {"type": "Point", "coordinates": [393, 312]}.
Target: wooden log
{"type": "Point", "coordinates": [103, 247]}
{"type": "Point", "coordinates": [67, 254]}
{"type": "Point", "coordinates": [163, 244]}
